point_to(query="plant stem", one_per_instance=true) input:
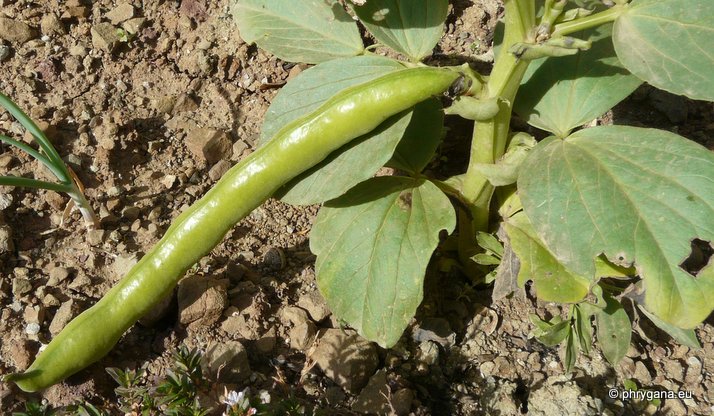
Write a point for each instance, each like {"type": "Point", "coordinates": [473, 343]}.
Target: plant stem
{"type": "Point", "coordinates": [490, 137]}
{"type": "Point", "coordinates": [34, 183]}
{"type": "Point", "coordinates": [588, 22]}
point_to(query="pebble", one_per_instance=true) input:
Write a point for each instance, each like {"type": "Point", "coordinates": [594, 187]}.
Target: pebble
{"type": "Point", "coordinates": [434, 329]}
{"type": "Point", "coordinates": [21, 286]}
{"type": "Point", "coordinates": [57, 276]}
{"type": "Point", "coordinates": [15, 31]}
{"type": "Point", "coordinates": [201, 300]}
{"type": "Point", "coordinates": [121, 13]}
{"type": "Point", "coordinates": [6, 244]}
{"type": "Point", "coordinates": [302, 336]}
{"type": "Point", "coordinates": [51, 25]}
{"type": "Point", "coordinates": [227, 362]}
{"type": "Point", "coordinates": [209, 145]}
{"type": "Point", "coordinates": [346, 358]}
{"type": "Point", "coordinates": [315, 305]}
{"type": "Point", "coordinates": [104, 36]}
{"type": "Point", "coordinates": [219, 169]}
{"type": "Point", "coordinates": [4, 52]}
{"type": "Point", "coordinates": [373, 397]}
{"type": "Point", "coordinates": [292, 315]}
{"type": "Point", "coordinates": [64, 314]}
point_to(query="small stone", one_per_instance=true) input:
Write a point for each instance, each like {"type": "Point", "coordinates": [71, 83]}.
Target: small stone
{"type": "Point", "coordinates": [105, 36]}
{"type": "Point", "coordinates": [75, 8]}
{"type": "Point", "coordinates": [209, 145]}
{"type": "Point", "coordinates": [315, 305]}
{"type": "Point", "coordinates": [673, 407]}
{"type": "Point", "coordinates": [266, 343]}
{"type": "Point", "coordinates": [49, 300]}
{"type": "Point", "coordinates": [226, 362]}
{"type": "Point", "coordinates": [674, 369]}
{"type": "Point", "coordinates": [642, 374]}
{"type": "Point", "coordinates": [238, 324]}
{"type": "Point", "coordinates": [106, 133]}
{"type": "Point", "coordinates": [121, 13]}
{"type": "Point", "coordinates": [64, 314]}
{"type": "Point", "coordinates": [294, 316]}
{"type": "Point", "coordinates": [373, 397]}
{"type": "Point", "coordinates": [486, 368]}
{"type": "Point", "coordinates": [6, 244]}
{"type": "Point", "coordinates": [168, 181]}
{"type": "Point", "coordinates": [57, 276]}
{"type": "Point", "coordinates": [15, 31]}
{"type": "Point", "coordinates": [201, 300]}
{"type": "Point", "coordinates": [21, 286]}
{"type": "Point", "coordinates": [219, 169]}
{"type": "Point", "coordinates": [130, 213]}
{"type": "Point", "coordinates": [51, 25]}
{"type": "Point", "coordinates": [95, 237]}
{"type": "Point", "coordinates": [402, 401]}
{"type": "Point", "coordinates": [133, 26]}
{"type": "Point", "coordinates": [238, 148]}
{"type": "Point", "coordinates": [346, 358]}
{"type": "Point", "coordinates": [302, 336]}
{"type": "Point", "coordinates": [4, 52]}
{"type": "Point", "coordinates": [334, 395]}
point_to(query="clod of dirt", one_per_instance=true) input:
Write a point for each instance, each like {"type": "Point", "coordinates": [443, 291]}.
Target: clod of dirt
{"type": "Point", "coordinates": [376, 398]}
{"type": "Point", "coordinates": [227, 362]}
{"type": "Point", "coordinates": [302, 336]}
{"type": "Point", "coordinates": [16, 31]}
{"type": "Point", "coordinates": [208, 145]}
{"type": "Point", "coordinates": [105, 36]}
{"type": "Point", "coordinates": [559, 397]}
{"type": "Point", "coordinates": [64, 314]}
{"type": "Point", "coordinates": [51, 25]}
{"type": "Point", "coordinates": [315, 306]}
{"type": "Point", "coordinates": [21, 286]}
{"type": "Point", "coordinates": [346, 358]}
{"type": "Point", "coordinates": [201, 300]}
{"type": "Point", "coordinates": [20, 353]}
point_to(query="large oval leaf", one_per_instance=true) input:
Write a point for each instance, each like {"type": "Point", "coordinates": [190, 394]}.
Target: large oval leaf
{"type": "Point", "coordinates": [635, 195]}
{"type": "Point", "coordinates": [668, 44]}
{"type": "Point", "coordinates": [308, 31]}
{"type": "Point", "coordinates": [552, 280]}
{"type": "Point", "coordinates": [373, 245]}
{"type": "Point", "coordinates": [614, 330]}
{"type": "Point", "coordinates": [411, 27]}
{"type": "Point", "coordinates": [561, 93]}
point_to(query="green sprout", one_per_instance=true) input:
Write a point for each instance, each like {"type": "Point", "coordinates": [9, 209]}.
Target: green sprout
{"type": "Point", "coordinates": [48, 156]}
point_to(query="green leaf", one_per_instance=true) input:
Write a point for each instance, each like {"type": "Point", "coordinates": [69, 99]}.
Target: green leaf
{"type": "Point", "coordinates": [411, 27]}
{"type": "Point", "coordinates": [614, 330]}
{"type": "Point", "coordinates": [551, 333]}
{"type": "Point", "coordinates": [552, 280]}
{"type": "Point", "coordinates": [583, 328]}
{"type": "Point", "coordinates": [559, 94]}
{"type": "Point", "coordinates": [668, 44]}
{"type": "Point", "coordinates": [373, 245]}
{"type": "Point", "coordinates": [638, 196]}
{"type": "Point", "coordinates": [361, 158]}
{"type": "Point", "coordinates": [308, 31]}
{"type": "Point", "coordinates": [486, 259]}
{"type": "Point", "coordinates": [421, 139]}
{"type": "Point", "coordinates": [489, 242]}
{"type": "Point", "coordinates": [571, 350]}
{"type": "Point", "coordinates": [683, 336]}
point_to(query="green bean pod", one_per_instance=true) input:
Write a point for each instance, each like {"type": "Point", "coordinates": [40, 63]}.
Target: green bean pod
{"type": "Point", "coordinates": [295, 148]}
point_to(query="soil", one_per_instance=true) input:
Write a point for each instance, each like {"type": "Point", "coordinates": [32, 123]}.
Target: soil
{"type": "Point", "coordinates": [151, 122]}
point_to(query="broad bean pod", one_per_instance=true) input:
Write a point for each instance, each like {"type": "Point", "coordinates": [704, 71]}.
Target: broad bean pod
{"type": "Point", "coordinates": [297, 147]}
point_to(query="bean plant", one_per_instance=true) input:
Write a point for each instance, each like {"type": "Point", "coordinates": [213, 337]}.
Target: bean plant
{"type": "Point", "coordinates": [591, 217]}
